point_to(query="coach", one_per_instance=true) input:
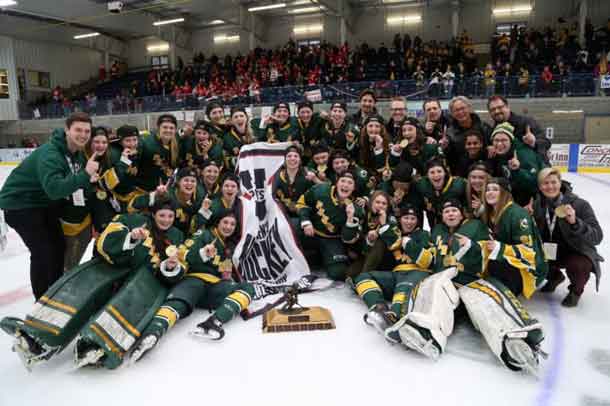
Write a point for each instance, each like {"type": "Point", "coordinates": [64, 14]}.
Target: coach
{"type": "Point", "coordinates": [34, 190]}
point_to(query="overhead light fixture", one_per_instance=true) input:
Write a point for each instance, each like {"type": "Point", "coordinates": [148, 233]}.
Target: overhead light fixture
{"type": "Point", "coordinates": [165, 22]}
{"type": "Point", "coordinates": [304, 10]}
{"type": "Point", "coordinates": [398, 1]}
{"type": "Point", "coordinates": [223, 38]}
{"type": "Point", "coordinates": [567, 111]}
{"type": "Point", "coordinates": [216, 22]}
{"type": "Point", "coordinates": [512, 10]}
{"type": "Point", "coordinates": [158, 48]}
{"type": "Point", "coordinates": [7, 3]}
{"type": "Point", "coordinates": [308, 29]}
{"type": "Point", "coordinates": [267, 7]}
{"type": "Point", "coordinates": [300, 2]}
{"type": "Point", "coordinates": [408, 19]}
{"type": "Point", "coordinates": [91, 34]}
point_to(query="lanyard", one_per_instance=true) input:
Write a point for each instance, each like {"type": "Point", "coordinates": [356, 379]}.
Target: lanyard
{"type": "Point", "coordinates": [550, 223]}
{"type": "Point", "coordinates": [74, 166]}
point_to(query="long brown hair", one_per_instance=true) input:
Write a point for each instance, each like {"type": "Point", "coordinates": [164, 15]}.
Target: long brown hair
{"type": "Point", "coordinates": [365, 147]}
{"type": "Point", "coordinates": [490, 215]}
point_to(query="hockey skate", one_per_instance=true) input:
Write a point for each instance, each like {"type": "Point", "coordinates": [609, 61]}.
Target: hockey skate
{"type": "Point", "coordinates": [147, 343]}
{"type": "Point", "coordinates": [87, 356]}
{"type": "Point", "coordinates": [210, 329]}
{"type": "Point", "coordinates": [380, 317]}
{"type": "Point", "coordinates": [522, 348]}
{"type": "Point", "coordinates": [29, 351]}
{"type": "Point", "coordinates": [413, 337]}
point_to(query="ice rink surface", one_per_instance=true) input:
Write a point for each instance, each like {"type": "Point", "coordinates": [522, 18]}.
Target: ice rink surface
{"type": "Point", "coordinates": [351, 365]}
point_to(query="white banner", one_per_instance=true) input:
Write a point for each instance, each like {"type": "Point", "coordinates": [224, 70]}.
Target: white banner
{"type": "Point", "coordinates": [605, 82]}
{"type": "Point", "coordinates": [268, 251]}
{"type": "Point", "coordinates": [14, 155]}
{"type": "Point", "coordinates": [594, 155]}
{"type": "Point", "coordinates": [559, 155]}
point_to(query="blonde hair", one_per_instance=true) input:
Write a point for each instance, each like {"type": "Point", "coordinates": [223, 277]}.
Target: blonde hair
{"type": "Point", "coordinates": [546, 172]}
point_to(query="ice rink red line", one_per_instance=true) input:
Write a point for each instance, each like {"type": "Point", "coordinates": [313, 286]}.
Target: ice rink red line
{"type": "Point", "coordinates": [15, 296]}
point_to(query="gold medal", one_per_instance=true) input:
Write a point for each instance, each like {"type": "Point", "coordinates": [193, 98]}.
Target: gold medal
{"type": "Point", "coordinates": [560, 211]}
{"type": "Point", "coordinates": [146, 234]}
{"type": "Point", "coordinates": [101, 194]}
{"type": "Point", "coordinates": [404, 143]}
{"type": "Point", "coordinates": [322, 168]}
{"type": "Point", "coordinates": [171, 251]}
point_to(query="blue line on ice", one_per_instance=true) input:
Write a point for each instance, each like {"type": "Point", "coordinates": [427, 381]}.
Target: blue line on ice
{"type": "Point", "coordinates": [553, 367]}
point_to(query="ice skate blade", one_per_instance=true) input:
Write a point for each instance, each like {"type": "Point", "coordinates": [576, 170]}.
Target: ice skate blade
{"type": "Point", "coordinates": [414, 340]}
{"type": "Point", "coordinates": [375, 320]}
{"type": "Point", "coordinates": [90, 358]}
{"type": "Point", "coordinates": [27, 358]}
{"type": "Point", "coordinates": [523, 355]}
{"type": "Point", "coordinates": [210, 335]}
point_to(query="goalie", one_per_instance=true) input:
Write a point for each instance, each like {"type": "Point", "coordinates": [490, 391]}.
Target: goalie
{"type": "Point", "coordinates": [482, 272]}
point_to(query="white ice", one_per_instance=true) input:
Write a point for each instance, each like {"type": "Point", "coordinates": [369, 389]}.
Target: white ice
{"type": "Point", "coordinates": [350, 365]}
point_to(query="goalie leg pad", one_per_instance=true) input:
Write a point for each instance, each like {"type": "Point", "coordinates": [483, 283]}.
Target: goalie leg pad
{"type": "Point", "coordinates": [117, 326]}
{"type": "Point", "coordinates": [504, 323]}
{"type": "Point", "coordinates": [429, 319]}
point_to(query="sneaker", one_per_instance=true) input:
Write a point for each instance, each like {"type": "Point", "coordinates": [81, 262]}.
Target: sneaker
{"type": "Point", "coordinates": [571, 300]}
{"type": "Point", "coordinates": [210, 329]}
{"type": "Point", "coordinates": [380, 318]}
{"type": "Point", "coordinates": [147, 343]}
{"type": "Point", "coordinates": [552, 284]}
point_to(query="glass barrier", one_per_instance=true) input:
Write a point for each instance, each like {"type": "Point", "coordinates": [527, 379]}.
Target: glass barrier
{"type": "Point", "coordinates": [472, 87]}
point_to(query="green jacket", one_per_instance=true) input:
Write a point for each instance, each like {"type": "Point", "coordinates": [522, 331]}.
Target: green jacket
{"type": "Point", "coordinates": [49, 174]}
{"type": "Point", "coordinates": [519, 245]}
{"type": "Point", "coordinates": [469, 260]}
{"type": "Point", "coordinates": [121, 179]}
{"type": "Point", "coordinates": [116, 247]}
{"type": "Point", "coordinates": [320, 207]}
{"type": "Point", "coordinates": [523, 181]}
{"type": "Point", "coordinates": [218, 208]}
{"type": "Point", "coordinates": [157, 162]}
{"type": "Point", "coordinates": [334, 138]}
{"type": "Point", "coordinates": [455, 188]}
{"type": "Point", "coordinates": [230, 140]}
{"type": "Point", "coordinates": [290, 131]}
{"type": "Point", "coordinates": [311, 134]}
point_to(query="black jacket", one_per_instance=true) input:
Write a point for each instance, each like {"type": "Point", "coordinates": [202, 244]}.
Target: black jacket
{"type": "Point", "coordinates": [583, 236]}
{"type": "Point", "coordinates": [457, 136]}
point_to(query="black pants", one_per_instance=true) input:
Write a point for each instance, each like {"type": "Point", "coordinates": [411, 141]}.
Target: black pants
{"type": "Point", "coordinates": [40, 230]}
{"type": "Point", "coordinates": [507, 274]}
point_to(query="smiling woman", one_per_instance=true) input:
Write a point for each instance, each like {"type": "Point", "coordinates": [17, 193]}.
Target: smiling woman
{"type": "Point", "coordinates": [55, 171]}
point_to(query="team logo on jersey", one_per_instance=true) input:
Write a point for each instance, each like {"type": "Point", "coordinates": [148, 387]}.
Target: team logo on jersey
{"type": "Point", "coordinates": [523, 224]}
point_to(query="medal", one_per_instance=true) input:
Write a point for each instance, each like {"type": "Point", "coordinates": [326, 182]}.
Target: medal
{"type": "Point", "coordinates": [322, 168]}
{"type": "Point", "coordinates": [101, 194]}
{"type": "Point", "coordinates": [560, 211]}
{"type": "Point", "coordinates": [404, 143]}
{"type": "Point", "coordinates": [171, 251]}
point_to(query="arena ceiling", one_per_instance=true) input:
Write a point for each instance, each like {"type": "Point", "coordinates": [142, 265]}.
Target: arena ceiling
{"type": "Point", "coordinates": [60, 20]}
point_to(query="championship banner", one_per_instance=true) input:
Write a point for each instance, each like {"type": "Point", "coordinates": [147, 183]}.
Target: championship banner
{"type": "Point", "coordinates": [268, 253]}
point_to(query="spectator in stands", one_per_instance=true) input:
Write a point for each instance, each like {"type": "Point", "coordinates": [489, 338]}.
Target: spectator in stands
{"type": "Point", "coordinates": [115, 70]}
{"type": "Point", "coordinates": [102, 73]}
{"type": "Point", "coordinates": [490, 80]}
{"type": "Point", "coordinates": [526, 129]}
{"type": "Point", "coordinates": [547, 79]}
{"type": "Point", "coordinates": [32, 194]}
{"type": "Point", "coordinates": [448, 80]}
{"type": "Point", "coordinates": [601, 70]}
{"type": "Point", "coordinates": [524, 80]}
{"type": "Point", "coordinates": [570, 232]}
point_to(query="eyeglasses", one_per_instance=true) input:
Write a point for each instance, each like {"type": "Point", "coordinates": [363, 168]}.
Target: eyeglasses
{"type": "Point", "coordinates": [398, 109]}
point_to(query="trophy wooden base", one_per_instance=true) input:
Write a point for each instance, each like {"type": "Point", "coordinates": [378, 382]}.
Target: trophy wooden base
{"type": "Point", "coordinates": [298, 319]}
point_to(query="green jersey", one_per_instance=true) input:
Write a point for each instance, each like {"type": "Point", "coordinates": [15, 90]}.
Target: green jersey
{"type": "Point", "coordinates": [191, 150]}
{"type": "Point", "coordinates": [157, 162]}
{"type": "Point", "coordinates": [288, 191]}
{"type": "Point", "coordinates": [274, 132]}
{"type": "Point", "coordinates": [455, 188]}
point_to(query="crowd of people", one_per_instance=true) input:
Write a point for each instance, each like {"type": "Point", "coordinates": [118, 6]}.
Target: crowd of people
{"type": "Point", "coordinates": [416, 216]}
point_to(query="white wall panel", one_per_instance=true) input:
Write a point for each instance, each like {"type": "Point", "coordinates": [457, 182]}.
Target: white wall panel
{"type": "Point", "coordinates": [8, 107]}
{"type": "Point", "coordinates": [68, 65]}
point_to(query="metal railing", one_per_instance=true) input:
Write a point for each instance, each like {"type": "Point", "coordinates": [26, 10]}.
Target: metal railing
{"type": "Point", "coordinates": [473, 87]}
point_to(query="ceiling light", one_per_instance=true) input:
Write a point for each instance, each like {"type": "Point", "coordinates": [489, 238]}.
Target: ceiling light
{"type": "Point", "coordinates": [304, 10]}
{"type": "Point", "coordinates": [7, 3]}
{"type": "Point", "coordinates": [267, 7]}
{"type": "Point", "coordinates": [165, 22]}
{"type": "Point", "coordinates": [300, 2]}
{"type": "Point", "coordinates": [158, 48]}
{"type": "Point", "coordinates": [308, 29]}
{"type": "Point", "coordinates": [513, 10]}
{"type": "Point", "coordinates": [92, 34]}
{"type": "Point", "coordinates": [397, 20]}
{"type": "Point", "coordinates": [226, 38]}
{"type": "Point", "coordinates": [216, 22]}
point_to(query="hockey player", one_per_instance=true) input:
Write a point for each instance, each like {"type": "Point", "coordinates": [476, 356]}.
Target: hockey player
{"type": "Point", "coordinates": [142, 255]}
{"type": "Point", "coordinates": [238, 134]}
{"type": "Point", "coordinates": [292, 181]}
{"type": "Point", "coordinates": [516, 162]}
{"type": "Point", "coordinates": [208, 284]}
{"type": "Point", "coordinates": [411, 147]}
{"type": "Point", "coordinates": [374, 147]}
{"type": "Point", "coordinates": [278, 127]}
{"type": "Point", "coordinates": [204, 144]}
{"type": "Point", "coordinates": [185, 195]}
{"type": "Point", "coordinates": [438, 186]}
{"type": "Point", "coordinates": [339, 163]}
{"type": "Point", "coordinates": [212, 208]}
{"type": "Point", "coordinates": [410, 246]}
{"type": "Point", "coordinates": [209, 176]}
{"type": "Point", "coordinates": [339, 133]}
{"type": "Point", "coordinates": [478, 175]}
{"type": "Point", "coordinates": [401, 187]}
{"type": "Point", "coordinates": [160, 154]}
{"type": "Point", "coordinates": [328, 220]}
{"type": "Point", "coordinates": [216, 119]}
{"type": "Point", "coordinates": [310, 125]}
{"type": "Point", "coordinates": [320, 162]}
